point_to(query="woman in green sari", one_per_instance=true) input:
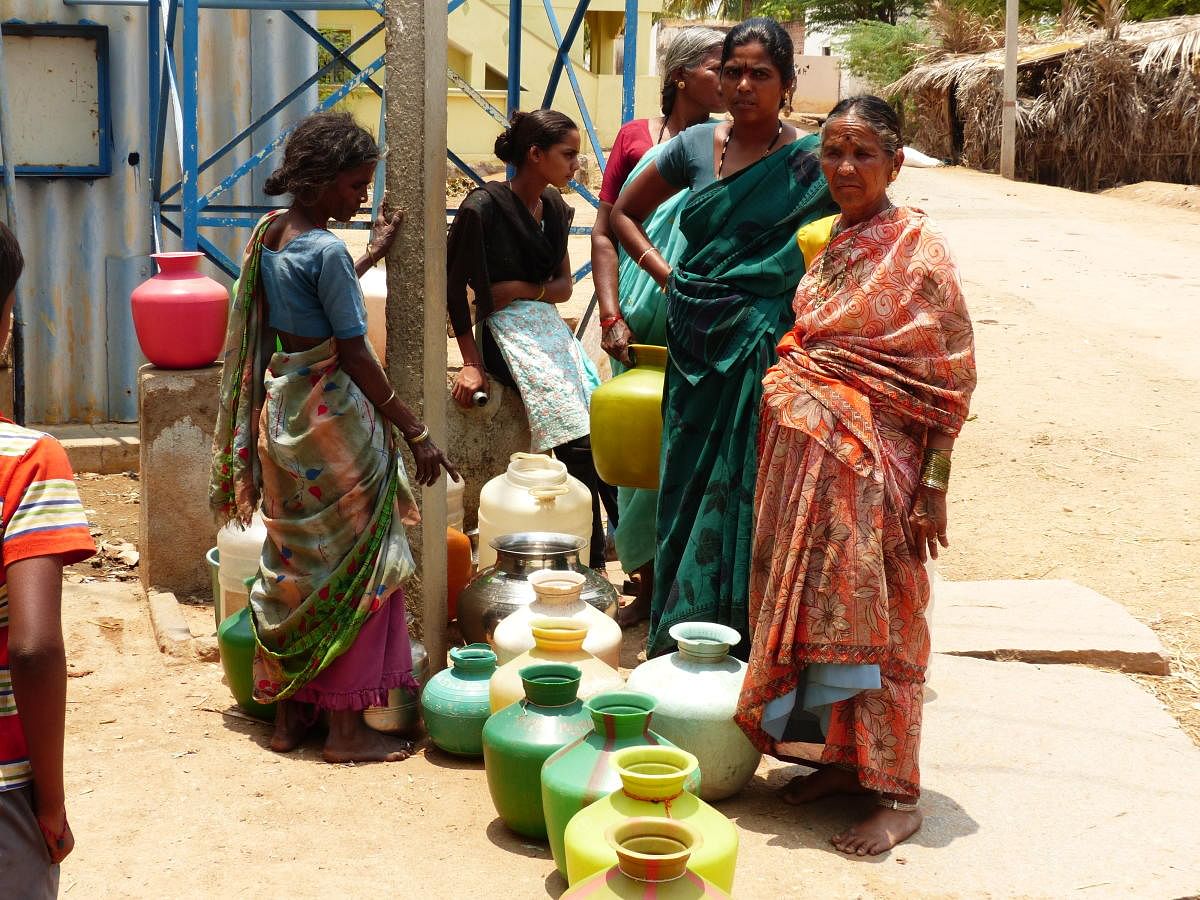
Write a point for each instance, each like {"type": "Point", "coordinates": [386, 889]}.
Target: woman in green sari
{"type": "Point", "coordinates": [754, 182]}
{"type": "Point", "coordinates": [632, 310]}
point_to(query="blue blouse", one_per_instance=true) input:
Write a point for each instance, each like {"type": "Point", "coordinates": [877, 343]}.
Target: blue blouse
{"type": "Point", "coordinates": [312, 289]}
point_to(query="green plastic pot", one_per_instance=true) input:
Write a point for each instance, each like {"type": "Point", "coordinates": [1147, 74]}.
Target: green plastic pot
{"type": "Point", "coordinates": [235, 639]}
{"type": "Point", "coordinates": [454, 703]}
{"type": "Point", "coordinates": [521, 737]}
{"type": "Point", "coordinates": [582, 772]}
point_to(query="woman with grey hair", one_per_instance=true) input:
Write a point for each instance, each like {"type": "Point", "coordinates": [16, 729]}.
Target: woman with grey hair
{"type": "Point", "coordinates": [631, 307]}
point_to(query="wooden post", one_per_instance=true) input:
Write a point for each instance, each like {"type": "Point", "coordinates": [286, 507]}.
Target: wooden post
{"type": "Point", "coordinates": [416, 308]}
{"type": "Point", "coordinates": [1008, 118]}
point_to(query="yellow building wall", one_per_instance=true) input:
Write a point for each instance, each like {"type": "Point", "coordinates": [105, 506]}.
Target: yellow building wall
{"type": "Point", "coordinates": [478, 41]}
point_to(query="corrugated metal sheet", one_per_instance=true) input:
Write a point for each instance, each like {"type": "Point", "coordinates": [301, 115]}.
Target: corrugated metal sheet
{"type": "Point", "coordinates": [85, 242]}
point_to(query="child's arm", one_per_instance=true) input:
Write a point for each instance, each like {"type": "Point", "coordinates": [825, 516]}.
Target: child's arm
{"type": "Point", "coordinates": [38, 664]}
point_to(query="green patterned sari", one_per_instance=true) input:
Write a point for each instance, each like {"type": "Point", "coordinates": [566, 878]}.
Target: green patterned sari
{"type": "Point", "coordinates": [728, 304]}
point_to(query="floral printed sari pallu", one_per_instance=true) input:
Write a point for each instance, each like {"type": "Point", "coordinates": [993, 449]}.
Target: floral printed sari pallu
{"type": "Point", "coordinates": [727, 307]}
{"type": "Point", "coordinates": [881, 352]}
{"type": "Point", "coordinates": [298, 434]}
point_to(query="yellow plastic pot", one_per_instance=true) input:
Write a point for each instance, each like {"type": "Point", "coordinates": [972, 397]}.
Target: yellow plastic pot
{"type": "Point", "coordinates": [627, 420]}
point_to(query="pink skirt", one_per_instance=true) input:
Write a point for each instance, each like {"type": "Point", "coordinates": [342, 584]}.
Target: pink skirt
{"type": "Point", "coordinates": [379, 659]}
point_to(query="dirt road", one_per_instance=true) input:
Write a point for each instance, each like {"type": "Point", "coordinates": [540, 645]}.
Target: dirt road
{"type": "Point", "coordinates": [1080, 463]}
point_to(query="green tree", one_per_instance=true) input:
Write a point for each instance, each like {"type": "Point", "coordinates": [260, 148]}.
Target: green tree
{"type": "Point", "coordinates": [880, 53]}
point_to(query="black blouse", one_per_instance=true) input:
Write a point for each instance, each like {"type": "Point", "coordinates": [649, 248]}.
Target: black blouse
{"type": "Point", "coordinates": [494, 238]}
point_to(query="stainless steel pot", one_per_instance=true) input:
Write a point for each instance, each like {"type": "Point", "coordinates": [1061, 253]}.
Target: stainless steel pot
{"type": "Point", "coordinates": [402, 715]}
{"type": "Point", "coordinates": [503, 587]}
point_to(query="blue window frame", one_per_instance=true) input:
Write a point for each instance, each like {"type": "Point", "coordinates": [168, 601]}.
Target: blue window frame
{"type": "Point", "coordinates": [98, 35]}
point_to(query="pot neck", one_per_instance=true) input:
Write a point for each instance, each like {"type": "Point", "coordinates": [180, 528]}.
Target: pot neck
{"type": "Point", "coordinates": [178, 265]}
{"type": "Point", "coordinates": [551, 684]}
{"type": "Point", "coordinates": [620, 715]}
{"type": "Point", "coordinates": [475, 659]}
{"type": "Point", "coordinates": [652, 850]}
{"type": "Point", "coordinates": [531, 470]}
{"type": "Point", "coordinates": [704, 642]}
{"type": "Point", "coordinates": [654, 774]}
{"type": "Point", "coordinates": [559, 635]}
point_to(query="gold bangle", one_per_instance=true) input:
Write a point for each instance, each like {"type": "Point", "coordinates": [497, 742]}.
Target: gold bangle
{"type": "Point", "coordinates": [650, 249]}
{"type": "Point", "coordinates": [420, 438]}
{"type": "Point", "coordinates": [935, 470]}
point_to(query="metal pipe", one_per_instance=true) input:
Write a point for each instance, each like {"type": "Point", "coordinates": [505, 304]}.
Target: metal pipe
{"type": "Point", "coordinates": [564, 47]}
{"type": "Point", "coordinates": [10, 203]}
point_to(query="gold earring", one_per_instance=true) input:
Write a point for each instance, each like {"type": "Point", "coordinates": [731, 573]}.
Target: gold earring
{"type": "Point", "coordinates": [681, 85]}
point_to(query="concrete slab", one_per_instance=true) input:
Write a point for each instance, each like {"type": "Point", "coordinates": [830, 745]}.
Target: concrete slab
{"type": "Point", "coordinates": [1042, 621]}
{"type": "Point", "coordinates": [171, 631]}
{"type": "Point", "coordinates": [1039, 781]}
{"type": "Point", "coordinates": [105, 448]}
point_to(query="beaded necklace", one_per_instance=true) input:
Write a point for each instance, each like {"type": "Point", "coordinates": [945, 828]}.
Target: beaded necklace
{"type": "Point", "coordinates": [725, 146]}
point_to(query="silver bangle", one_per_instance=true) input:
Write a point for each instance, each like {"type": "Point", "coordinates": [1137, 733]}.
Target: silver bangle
{"type": "Point", "coordinates": [388, 400]}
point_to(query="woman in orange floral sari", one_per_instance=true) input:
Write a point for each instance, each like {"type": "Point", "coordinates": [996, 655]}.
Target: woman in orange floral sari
{"type": "Point", "coordinates": [859, 417]}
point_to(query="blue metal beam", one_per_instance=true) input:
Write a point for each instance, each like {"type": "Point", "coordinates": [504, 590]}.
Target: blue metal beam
{"type": "Point", "coordinates": [514, 56]}
{"type": "Point", "coordinates": [629, 61]}
{"type": "Point", "coordinates": [579, 101]}
{"type": "Point", "coordinates": [564, 47]}
{"type": "Point", "coordinates": [266, 117]}
{"type": "Point", "coordinates": [189, 100]}
{"type": "Point", "coordinates": [329, 102]}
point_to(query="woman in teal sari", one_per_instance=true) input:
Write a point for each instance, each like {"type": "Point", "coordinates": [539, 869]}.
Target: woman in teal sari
{"type": "Point", "coordinates": [754, 182]}
{"type": "Point", "coordinates": [632, 310]}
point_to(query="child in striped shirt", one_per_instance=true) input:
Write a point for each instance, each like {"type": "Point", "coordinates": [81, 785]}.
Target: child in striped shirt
{"type": "Point", "coordinates": [42, 528]}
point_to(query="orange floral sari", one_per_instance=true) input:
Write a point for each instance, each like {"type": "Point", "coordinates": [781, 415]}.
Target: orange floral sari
{"type": "Point", "coordinates": [882, 351]}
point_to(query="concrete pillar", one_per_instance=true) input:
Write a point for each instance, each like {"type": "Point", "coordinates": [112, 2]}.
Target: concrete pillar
{"type": "Point", "coordinates": [177, 415]}
{"type": "Point", "coordinates": [416, 308]}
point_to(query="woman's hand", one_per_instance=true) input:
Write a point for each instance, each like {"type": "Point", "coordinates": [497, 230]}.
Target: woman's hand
{"type": "Point", "coordinates": [383, 232]}
{"type": "Point", "coordinates": [615, 341]}
{"type": "Point", "coordinates": [430, 461]}
{"type": "Point", "coordinates": [56, 832]}
{"type": "Point", "coordinates": [927, 522]}
{"type": "Point", "coordinates": [468, 381]}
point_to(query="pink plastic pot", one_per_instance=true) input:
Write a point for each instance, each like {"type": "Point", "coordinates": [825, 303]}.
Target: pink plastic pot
{"type": "Point", "coordinates": [180, 313]}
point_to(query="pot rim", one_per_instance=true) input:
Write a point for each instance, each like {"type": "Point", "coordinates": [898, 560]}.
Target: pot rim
{"type": "Point", "coordinates": [653, 867]}
{"type": "Point", "coordinates": [514, 543]}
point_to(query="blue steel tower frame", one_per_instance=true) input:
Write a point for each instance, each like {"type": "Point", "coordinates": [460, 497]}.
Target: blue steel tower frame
{"type": "Point", "coordinates": [185, 210]}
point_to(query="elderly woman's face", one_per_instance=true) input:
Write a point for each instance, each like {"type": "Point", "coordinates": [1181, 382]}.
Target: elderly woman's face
{"type": "Point", "coordinates": [857, 167]}
{"type": "Point", "coordinates": [703, 83]}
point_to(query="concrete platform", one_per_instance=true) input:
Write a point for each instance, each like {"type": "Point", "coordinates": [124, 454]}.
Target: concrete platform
{"type": "Point", "coordinates": [1042, 621]}
{"type": "Point", "coordinates": [1040, 781]}
{"type": "Point", "coordinates": [105, 448]}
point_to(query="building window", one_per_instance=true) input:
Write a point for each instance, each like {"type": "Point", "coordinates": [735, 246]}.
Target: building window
{"type": "Point", "coordinates": [493, 80]}
{"type": "Point", "coordinates": [340, 38]}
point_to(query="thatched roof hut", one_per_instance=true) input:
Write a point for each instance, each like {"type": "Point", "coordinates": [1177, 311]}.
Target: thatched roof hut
{"type": "Point", "coordinates": [1092, 112]}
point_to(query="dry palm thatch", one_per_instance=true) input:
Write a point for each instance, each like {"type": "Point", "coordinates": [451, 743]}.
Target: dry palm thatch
{"type": "Point", "coordinates": [1091, 114]}
{"type": "Point", "coordinates": [960, 29]}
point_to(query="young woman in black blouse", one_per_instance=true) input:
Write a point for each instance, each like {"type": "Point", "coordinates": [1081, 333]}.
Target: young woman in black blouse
{"type": "Point", "coordinates": [508, 244]}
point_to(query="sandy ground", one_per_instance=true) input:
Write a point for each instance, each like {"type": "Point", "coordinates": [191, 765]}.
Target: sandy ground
{"type": "Point", "coordinates": [1079, 463]}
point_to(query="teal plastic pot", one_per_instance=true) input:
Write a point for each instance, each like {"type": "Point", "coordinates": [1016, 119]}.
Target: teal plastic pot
{"type": "Point", "coordinates": [518, 739]}
{"type": "Point", "coordinates": [235, 639]}
{"type": "Point", "coordinates": [454, 703]}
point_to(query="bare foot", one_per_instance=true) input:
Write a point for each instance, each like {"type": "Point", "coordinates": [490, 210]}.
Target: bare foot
{"type": "Point", "coordinates": [879, 832]}
{"type": "Point", "coordinates": [638, 611]}
{"type": "Point", "coordinates": [633, 613]}
{"type": "Point", "coordinates": [825, 782]}
{"type": "Point", "coordinates": [350, 740]}
{"type": "Point", "coordinates": [293, 721]}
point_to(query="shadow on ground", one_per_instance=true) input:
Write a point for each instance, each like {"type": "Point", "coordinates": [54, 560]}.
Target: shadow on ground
{"type": "Point", "coordinates": [758, 809]}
